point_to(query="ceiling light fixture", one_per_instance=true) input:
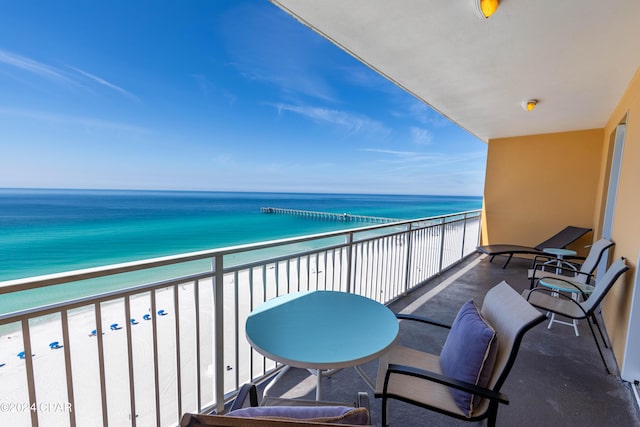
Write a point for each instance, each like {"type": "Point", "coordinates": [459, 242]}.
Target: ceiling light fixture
{"type": "Point", "coordinates": [486, 8]}
{"type": "Point", "coordinates": [530, 104]}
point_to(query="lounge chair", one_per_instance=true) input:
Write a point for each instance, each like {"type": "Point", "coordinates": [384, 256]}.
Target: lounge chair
{"type": "Point", "coordinates": [560, 240]}
{"type": "Point", "coordinates": [115, 327]}
{"type": "Point", "coordinates": [55, 345]}
{"type": "Point", "coordinates": [147, 316]}
{"type": "Point", "coordinates": [133, 321]}
{"type": "Point", "coordinates": [162, 313]}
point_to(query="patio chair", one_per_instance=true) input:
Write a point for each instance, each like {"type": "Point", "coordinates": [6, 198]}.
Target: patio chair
{"type": "Point", "coordinates": [551, 301]}
{"type": "Point", "coordinates": [464, 381]}
{"type": "Point", "coordinates": [283, 412]}
{"type": "Point", "coordinates": [582, 275]}
{"type": "Point", "coordinates": [560, 240]}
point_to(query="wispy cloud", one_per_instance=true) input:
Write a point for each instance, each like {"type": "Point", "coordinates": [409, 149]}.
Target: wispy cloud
{"type": "Point", "coordinates": [421, 136]}
{"type": "Point", "coordinates": [351, 122]}
{"type": "Point", "coordinates": [105, 83]}
{"type": "Point", "coordinates": [426, 115]}
{"type": "Point", "coordinates": [74, 78]}
{"type": "Point", "coordinates": [208, 88]}
{"type": "Point", "coordinates": [78, 120]}
{"type": "Point", "coordinates": [34, 67]}
{"type": "Point", "coordinates": [276, 52]}
{"type": "Point", "coordinates": [399, 160]}
{"type": "Point", "coordinates": [416, 159]}
{"type": "Point", "coordinates": [391, 152]}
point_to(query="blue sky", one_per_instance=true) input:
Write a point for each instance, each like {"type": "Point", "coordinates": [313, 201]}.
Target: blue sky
{"type": "Point", "coordinates": [209, 95]}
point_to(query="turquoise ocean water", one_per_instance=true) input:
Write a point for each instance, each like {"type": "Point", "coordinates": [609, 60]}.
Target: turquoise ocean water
{"type": "Point", "coordinates": [49, 231]}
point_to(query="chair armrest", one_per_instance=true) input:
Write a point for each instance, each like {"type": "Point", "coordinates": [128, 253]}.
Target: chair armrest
{"type": "Point", "coordinates": [536, 266]}
{"type": "Point", "coordinates": [401, 316]}
{"type": "Point", "coordinates": [247, 390]}
{"type": "Point", "coordinates": [444, 380]}
{"type": "Point", "coordinates": [539, 266]}
{"type": "Point", "coordinates": [576, 260]}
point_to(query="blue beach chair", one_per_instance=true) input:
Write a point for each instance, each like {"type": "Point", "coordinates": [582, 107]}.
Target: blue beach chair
{"type": "Point", "coordinates": [134, 321]}
{"type": "Point", "coordinates": [162, 313]}
{"type": "Point", "coordinates": [115, 327]}
{"type": "Point", "coordinates": [146, 317]}
{"type": "Point", "coordinates": [55, 345]}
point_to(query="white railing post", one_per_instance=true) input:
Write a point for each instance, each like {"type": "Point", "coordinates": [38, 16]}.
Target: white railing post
{"type": "Point", "coordinates": [442, 229]}
{"type": "Point", "coordinates": [349, 260]}
{"type": "Point", "coordinates": [130, 368]}
{"type": "Point", "coordinates": [407, 272]}
{"type": "Point", "coordinates": [464, 232]}
{"type": "Point", "coordinates": [68, 367]}
{"type": "Point", "coordinates": [218, 341]}
{"type": "Point", "coordinates": [103, 387]}
{"type": "Point", "coordinates": [28, 359]}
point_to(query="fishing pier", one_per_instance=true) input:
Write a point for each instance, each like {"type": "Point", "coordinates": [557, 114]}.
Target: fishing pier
{"type": "Point", "coordinates": [328, 216]}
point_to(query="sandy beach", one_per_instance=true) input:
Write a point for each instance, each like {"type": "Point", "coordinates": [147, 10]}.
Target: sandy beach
{"type": "Point", "coordinates": [49, 364]}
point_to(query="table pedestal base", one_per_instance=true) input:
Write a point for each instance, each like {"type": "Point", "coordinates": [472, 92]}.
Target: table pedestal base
{"type": "Point", "coordinates": [573, 323]}
{"type": "Point", "coordinates": [320, 373]}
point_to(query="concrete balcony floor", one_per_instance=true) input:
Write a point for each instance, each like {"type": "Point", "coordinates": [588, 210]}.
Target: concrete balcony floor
{"type": "Point", "coordinates": [558, 379]}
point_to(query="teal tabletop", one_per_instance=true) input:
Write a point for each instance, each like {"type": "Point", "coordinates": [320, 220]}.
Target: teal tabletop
{"type": "Point", "coordinates": [563, 286]}
{"type": "Point", "coordinates": [321, 329]}
{"type": "Point", "coordinates": [560, 252]}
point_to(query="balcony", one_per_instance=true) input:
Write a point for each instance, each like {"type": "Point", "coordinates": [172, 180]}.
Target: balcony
{"type": "Point", "coordinates": [167, 340]}
{"type": "Point", "coordinates": [558, 379]}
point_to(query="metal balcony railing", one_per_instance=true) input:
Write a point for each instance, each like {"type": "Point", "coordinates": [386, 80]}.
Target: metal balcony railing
{"type": "Point", "coordinates": [172, 341]}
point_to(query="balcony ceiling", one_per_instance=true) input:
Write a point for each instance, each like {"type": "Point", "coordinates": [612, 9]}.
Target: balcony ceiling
{"type": "Point", "coordinates": [575, 57]}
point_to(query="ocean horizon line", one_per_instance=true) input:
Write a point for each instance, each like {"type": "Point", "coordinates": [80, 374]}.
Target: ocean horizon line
{"type": "Point", "coordinates": [158, 190]}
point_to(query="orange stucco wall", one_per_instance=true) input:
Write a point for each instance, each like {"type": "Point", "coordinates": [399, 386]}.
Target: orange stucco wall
{"type": "Point", "coordinates": [536, 185]}
{"type": "Point", "coordinates": [626, 224]}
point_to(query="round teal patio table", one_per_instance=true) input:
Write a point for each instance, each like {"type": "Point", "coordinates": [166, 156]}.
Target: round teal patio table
{"type": "Point", "coordinates": [322, 330]}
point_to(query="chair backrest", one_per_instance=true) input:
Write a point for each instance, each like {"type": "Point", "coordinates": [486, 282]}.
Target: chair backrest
{"type": "Point", "coordinates": [511, 316]}
{"type": "Point", "coordinates": [569, 235]}
{"type": "Point", "coordinates": [595, 255]}
{"type": "Point", "coordinates": [604, 284]}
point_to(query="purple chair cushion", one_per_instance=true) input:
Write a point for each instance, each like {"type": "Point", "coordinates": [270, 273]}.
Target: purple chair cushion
{"type": "Point", "coordinates": [324, 414]}
{"type": "Point", "coordinates": [469, 353]}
